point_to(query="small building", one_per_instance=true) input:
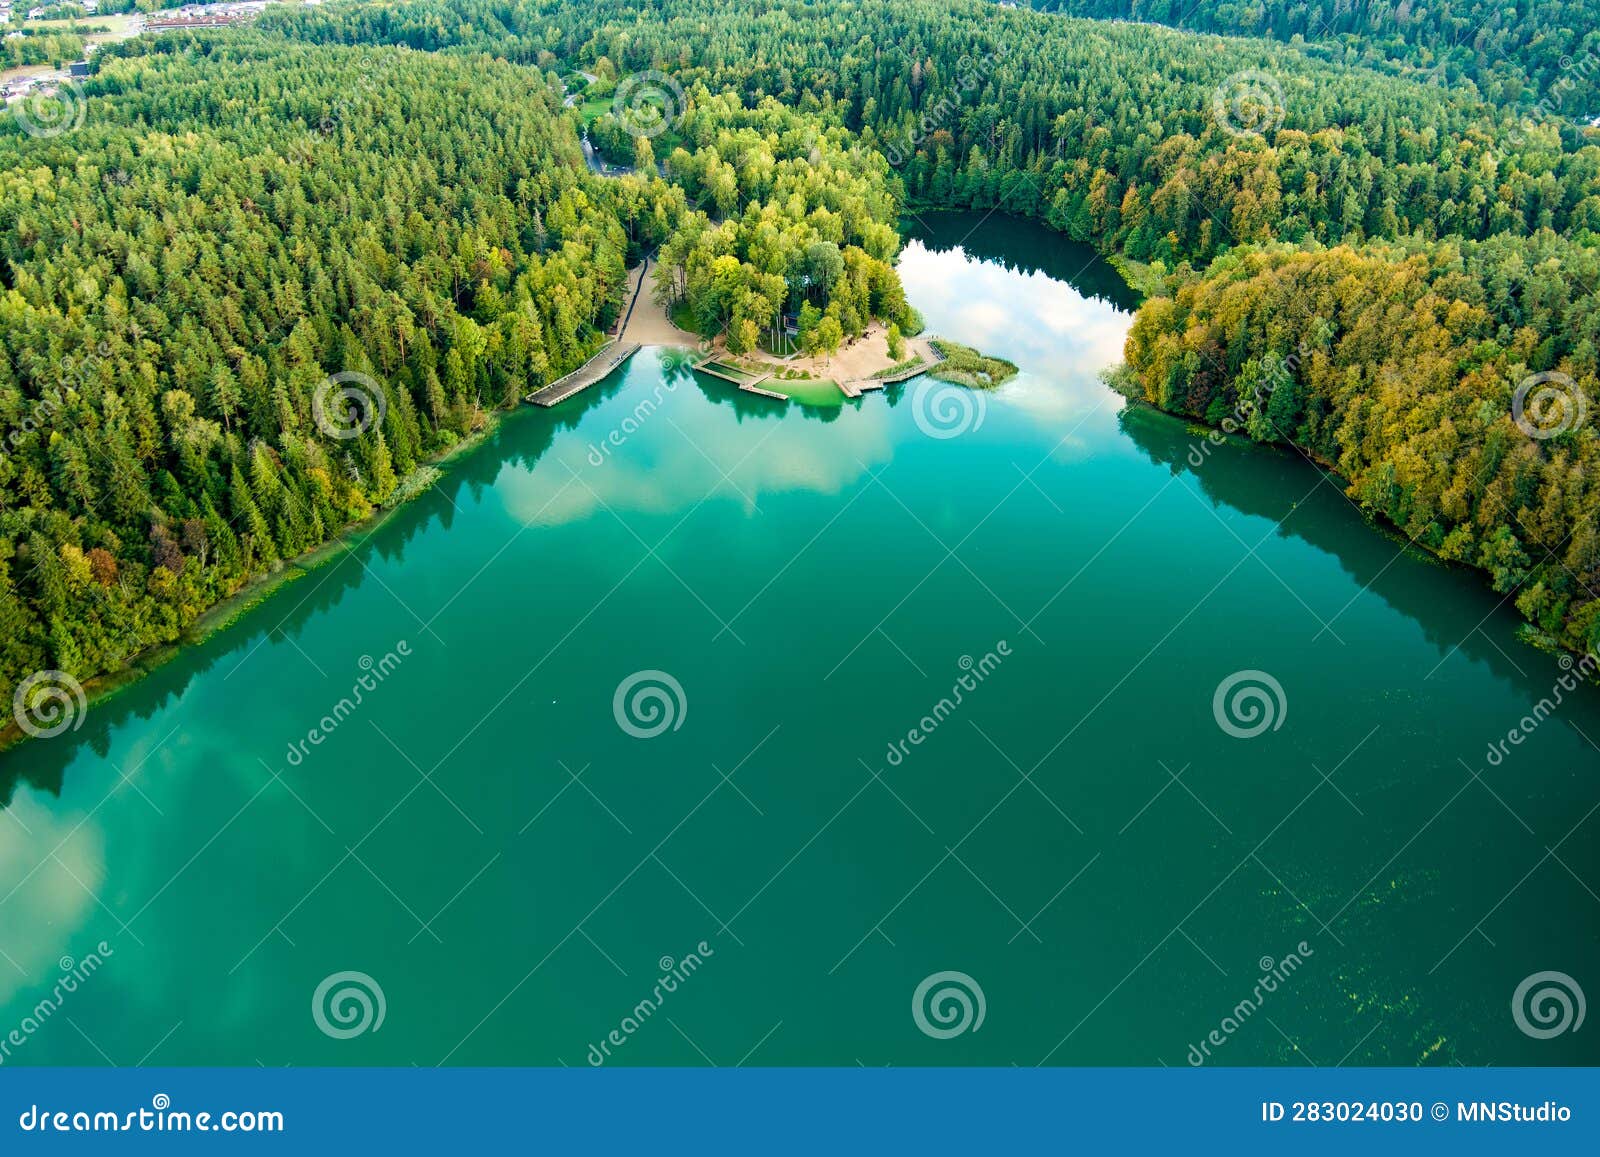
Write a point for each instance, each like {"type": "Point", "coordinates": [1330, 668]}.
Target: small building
{"type": "Point", "coordinates": [78, 69]}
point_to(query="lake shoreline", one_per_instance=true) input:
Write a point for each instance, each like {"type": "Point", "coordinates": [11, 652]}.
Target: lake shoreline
{"type": "Point", "coordinates": [257, 589]}
{"type": "Point", "coordinates": [1529, 633]}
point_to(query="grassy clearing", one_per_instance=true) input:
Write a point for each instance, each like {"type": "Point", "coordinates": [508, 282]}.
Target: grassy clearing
{"type": "Point", "coordinates": [967, 367]}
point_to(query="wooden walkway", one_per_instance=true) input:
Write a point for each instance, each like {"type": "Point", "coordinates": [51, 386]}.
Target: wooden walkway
{"type": "Point", "coordinates": [754, 387]}
{"type": "Point", "coordinates": [586, 375]}
{"type": "Point", "coordinates": [853, 389]}
{"type": "Point", "coordinates": [705, 368]}
{"type": "Point", "coordinates": [902, 375]}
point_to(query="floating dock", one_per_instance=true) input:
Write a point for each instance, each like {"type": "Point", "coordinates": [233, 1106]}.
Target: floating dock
{"type": "Point", "coordinates": [586, 375]}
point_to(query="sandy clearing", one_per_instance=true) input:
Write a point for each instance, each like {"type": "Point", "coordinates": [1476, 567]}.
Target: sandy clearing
{"type": "Point", "coordinates": [867, 355]}
{"type": "Point", "coordinates": [649, 323]}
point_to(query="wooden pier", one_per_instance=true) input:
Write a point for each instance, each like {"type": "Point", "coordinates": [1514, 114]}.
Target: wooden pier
{"type": "Point", "coordinates": [705, 368]}
{"type": "Point", "coordinates": [754, 387]}
{"type": "Point", "coordinates": [877, 383]}
{"type": "Point", "coordinates": [749, 383]}
{"type": "Point", "coordinates": [899, 376]}
{"type": "Point", "coordinates": [609, 358]}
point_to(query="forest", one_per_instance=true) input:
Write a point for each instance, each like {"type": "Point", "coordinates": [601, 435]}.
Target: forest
{"type": "Point", "coordinates": [1108, 131]}
{"type": "Point", "coordinates": [1188, 160]}
{"type": "Point", "coordinates": [39, 47]}
{"type": "Point", "coordinates": [182, 276]}
{"type": "Point", "coordinates": [1341, 258]}
{"type": "Point", "coordinates": [245, 307]}
{"type": "Point", "coordinates": [1516, 52]}
{"type": "Point", "coordinates": [796, 214]}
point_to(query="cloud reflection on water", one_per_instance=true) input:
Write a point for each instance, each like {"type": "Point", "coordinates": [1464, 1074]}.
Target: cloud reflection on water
{"type": "Point", "coordinates": [677, 454]}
